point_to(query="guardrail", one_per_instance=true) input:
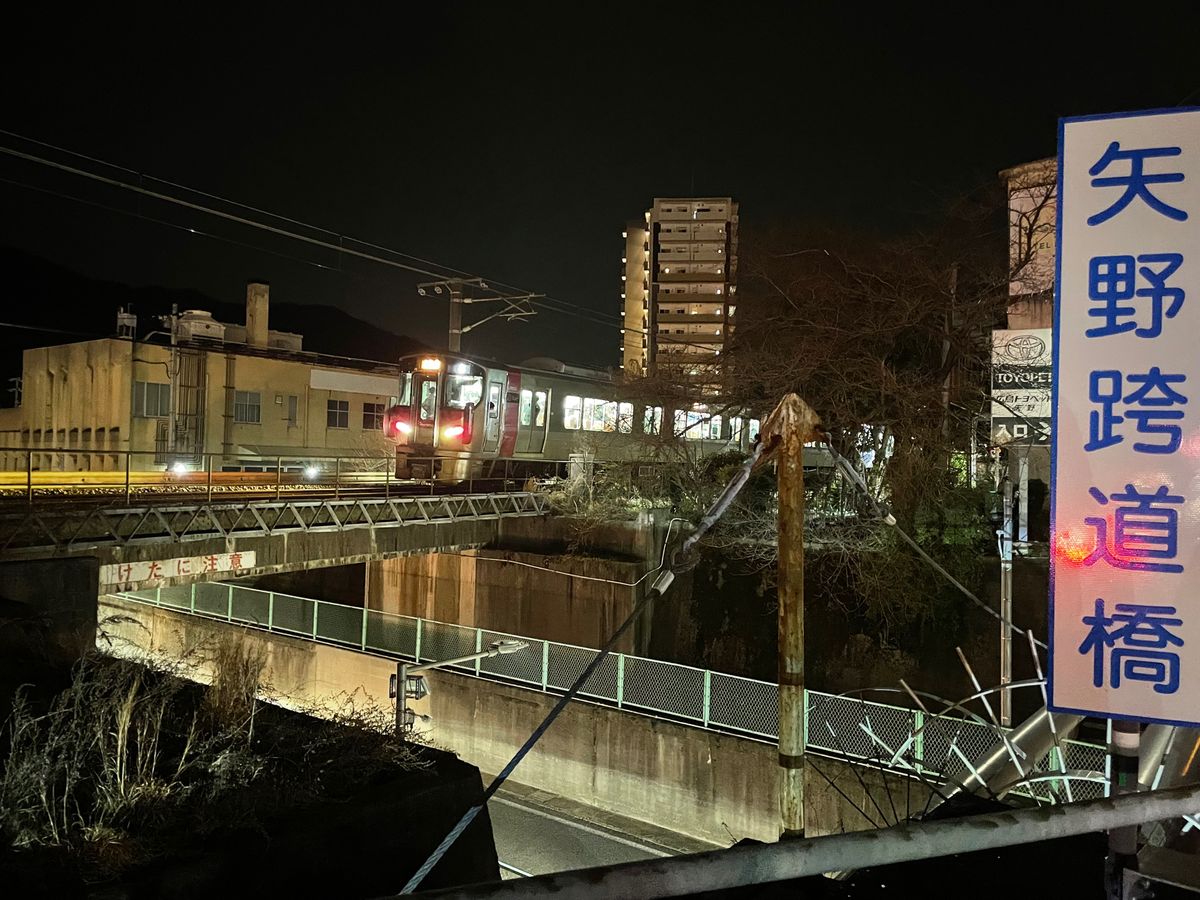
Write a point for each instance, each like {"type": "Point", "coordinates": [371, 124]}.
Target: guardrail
{"type": "Point", "coordinates": [879, 734]}
{"type": "Point", "coordinates": [47, 472]}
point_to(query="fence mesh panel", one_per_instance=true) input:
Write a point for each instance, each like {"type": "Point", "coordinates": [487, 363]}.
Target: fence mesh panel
{"type": "Point", "coordinates": [835, 723]}
{"type": "Point", "coordinates": [251, 607]}
{"type": "Point", "coordinates": [744, 704]}
{"type": "Point", "coordinates": [442, 641]}
{"type": "Point", "coordinates": [664, 687]}
{"type": "Point", "coordinates": [212, 598]}
{"type": "Point", "coordinates": [845, 725]}
{"type": "Point", "coordinates": [392, 634]}
{"type": "Point", "coordinates": [293, 614]}
{"type": "Point", "coordinates": [566, 663]}
{"type": "Point", "coordinates": [524, 665]}
{"type": "Point", "coordinates": [342, 624]}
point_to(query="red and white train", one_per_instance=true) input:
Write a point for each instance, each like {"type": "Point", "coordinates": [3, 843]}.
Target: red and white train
{"type": "Point", "coordinates": [456, 413]}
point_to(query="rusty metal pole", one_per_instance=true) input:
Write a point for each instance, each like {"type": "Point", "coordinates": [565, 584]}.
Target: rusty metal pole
{"type": "Point", "coordinates": [791, 425]}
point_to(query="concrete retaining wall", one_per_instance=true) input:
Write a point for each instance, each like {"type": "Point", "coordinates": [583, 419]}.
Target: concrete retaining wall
{"type": "Point", "coordinates": [499, 590]}
{"type": "Point", "coordinates": [710, 786]}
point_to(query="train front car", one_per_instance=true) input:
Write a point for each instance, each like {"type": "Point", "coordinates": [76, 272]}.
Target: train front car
{"type": "Point", "coordinates": [447, 421]}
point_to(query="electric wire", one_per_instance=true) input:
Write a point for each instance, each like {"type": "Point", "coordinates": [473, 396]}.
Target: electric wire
{"type": "Point", "coordinates": [574, 575]}
{"type": "Point", "coordinates": [680, 562]}
{"type": "Point", "coordinates": [888, 519]}
{"type": "Point", "coordinates": [437, 270]}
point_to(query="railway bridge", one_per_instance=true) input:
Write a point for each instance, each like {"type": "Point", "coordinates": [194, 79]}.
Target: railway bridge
{"type": "Point", "coordinates": [179, 540]}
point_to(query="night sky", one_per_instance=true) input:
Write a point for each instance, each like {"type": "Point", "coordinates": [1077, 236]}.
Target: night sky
{"type": "Point", "coordinates": [515, 141]}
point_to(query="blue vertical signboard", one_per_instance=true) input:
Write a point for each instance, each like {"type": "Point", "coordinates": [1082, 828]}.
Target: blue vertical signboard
{"type": "Point", "coordinates": [1125, 561]}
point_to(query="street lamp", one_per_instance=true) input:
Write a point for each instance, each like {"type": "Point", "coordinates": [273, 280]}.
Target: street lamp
{"type": "Point", "coordinates": [416, 688]}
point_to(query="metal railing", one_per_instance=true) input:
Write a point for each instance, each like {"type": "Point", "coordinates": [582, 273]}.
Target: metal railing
{"type": "Point", "coordinates": [878, 734]}
{"type": "Point", "coordinates": [29, 473]}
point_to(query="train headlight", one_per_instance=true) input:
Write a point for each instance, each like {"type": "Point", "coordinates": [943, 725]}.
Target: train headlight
{"type": "Point", "coordinates": [179, 468]}
{"type": "Point", "coordinates": [401, 427]}
{"type": "Point", "coordinates": [311, 472]}
{"type": "Point", "coordinates": [430, 364]}
{"type": "Point", "coordinates": [454, 431]}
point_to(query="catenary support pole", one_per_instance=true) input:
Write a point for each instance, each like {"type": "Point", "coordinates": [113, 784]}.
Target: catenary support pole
{"type": "Point", "coordinates": [790, 427]}
{"type": "Point", "coordinates": [454, 338]}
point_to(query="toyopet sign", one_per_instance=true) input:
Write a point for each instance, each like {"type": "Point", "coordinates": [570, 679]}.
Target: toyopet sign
{"type": "Point", "coordinates": [1125, 578]}
{"type": "Point", "coordinates": [1021, 376]}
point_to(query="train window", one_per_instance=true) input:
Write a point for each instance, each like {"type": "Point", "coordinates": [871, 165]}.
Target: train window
{"type": "Point", "coordinates": [405, 397]}
{"type": "Point", "coordinates": [754, 426]}
{"type": "Point", "coordinates": [526, 414]}
{"type": "Point", "coordinates": [593, 414]}
{"type": "Point", "coordinates": [736, 424]}
{"type": "Point", "coordinates": [463, 390]}
{"type": "Point", "coordinates": [625, 418]}
{"type": "Point", "coordinates": [652, 420]}
{"type": "Point", "coordinates": [540, 405]}
{"type": "Point", "coordinates": [428, 400]}
{"type": "Point", "coordinates": [572, 412]}
{"type": "Point", "coordinates": [714, 428]}
{"type": "Point", "coordinates": [692, 426]}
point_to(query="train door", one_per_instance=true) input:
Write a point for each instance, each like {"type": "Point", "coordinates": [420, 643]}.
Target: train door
{"type": "Point", "coordinates": [425, 408]}
{"type": "Point", "coordinates": [491, 426]}
{"type": "Point", "coordinates": [534, 413]}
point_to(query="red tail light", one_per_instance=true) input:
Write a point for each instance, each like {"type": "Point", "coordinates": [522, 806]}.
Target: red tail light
{"type": "Point", "coordinates": [395, 423]}
{"type": "Point", "coordinates": [457, 424]}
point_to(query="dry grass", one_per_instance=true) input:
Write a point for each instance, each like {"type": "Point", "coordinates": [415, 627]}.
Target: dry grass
{"type": "Point", "coordinates": [131, 762]}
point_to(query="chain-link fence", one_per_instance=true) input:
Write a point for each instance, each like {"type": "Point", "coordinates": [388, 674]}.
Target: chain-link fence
{"type": "Point", "coordinates": [883, 735]}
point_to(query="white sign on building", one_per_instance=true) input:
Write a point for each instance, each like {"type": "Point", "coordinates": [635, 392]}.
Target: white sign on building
{"type": "Point", "coordinates": [1125, 576]}
{"type": "Point", "coordinates": [1021, 376]}
{"type": "Point", "coordinates": [130, 575]}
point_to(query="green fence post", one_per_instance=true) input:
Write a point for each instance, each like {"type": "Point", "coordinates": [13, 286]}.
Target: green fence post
{"type": "Point", "coordinates": [158, 596]}
{"type": "Point", "coordinates": [803, 721]}
{"type": "Point", "coordinates": [620, 679]}
{"type": "Point", "coordinates": [545, 665]}
{"type": "Point", "coordinates": [707, 695]}
{"type": "Point", "coordinates": [271, 611]}
{"type": "Point", "coordinates": [417, 649]}
{"type": "Point", "coordinates": [316, 609]}
{"type": "Point", "coordinates": [192, 602]}
{"type": "Point", "coordinates": [229, 605]}
{"type": "Point", "coordinates": [918, 748]}
{"type": "Point", "coordinates": [362, 643]}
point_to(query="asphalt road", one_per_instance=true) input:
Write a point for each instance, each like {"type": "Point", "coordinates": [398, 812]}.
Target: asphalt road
{"type": "Point", "coordinates": [539, 842]}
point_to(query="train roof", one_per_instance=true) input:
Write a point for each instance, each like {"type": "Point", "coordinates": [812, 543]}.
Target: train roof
{"type": "Point", "coordinates": [546, 364]}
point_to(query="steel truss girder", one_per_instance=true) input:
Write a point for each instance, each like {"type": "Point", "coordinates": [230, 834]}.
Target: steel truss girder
{"type": "Point", "coordinates": [56, 529]}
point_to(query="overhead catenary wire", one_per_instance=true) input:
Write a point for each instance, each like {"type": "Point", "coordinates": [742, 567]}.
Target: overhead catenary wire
{"type": "Point", "coordinates": [419, 265]}
{"type": "Point", "coordinates": [680, 562]}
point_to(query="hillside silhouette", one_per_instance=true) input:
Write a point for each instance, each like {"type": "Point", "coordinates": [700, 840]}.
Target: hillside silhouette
{"type": "Point", "coordinates": [45, 304]}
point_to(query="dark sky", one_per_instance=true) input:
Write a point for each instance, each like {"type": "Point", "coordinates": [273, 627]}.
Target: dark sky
{"type": "Point", "coordinates": [515, 141]}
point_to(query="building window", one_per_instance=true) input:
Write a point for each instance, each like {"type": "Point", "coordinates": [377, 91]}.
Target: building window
{"type": "Point", "coordinates": [372, 417]}
{"type": "Point", "coordinates": [151, 401]}
{"type": "Point", "coordinates": [293, 410]}
{"type": "Point", "coordinates": [337, 414]}
{"type": "Point", "coordinates": [247, 407]}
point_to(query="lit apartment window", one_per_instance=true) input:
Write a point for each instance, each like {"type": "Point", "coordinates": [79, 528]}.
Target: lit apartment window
{"type": "Point", "coordinates": [337, 414]}
{"type": "Point", "coordinates": [150, 400]}
{"type": "Point", "coordinates": [247, 407]}
{"type": "Point", "coordinates": [372, 417]}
